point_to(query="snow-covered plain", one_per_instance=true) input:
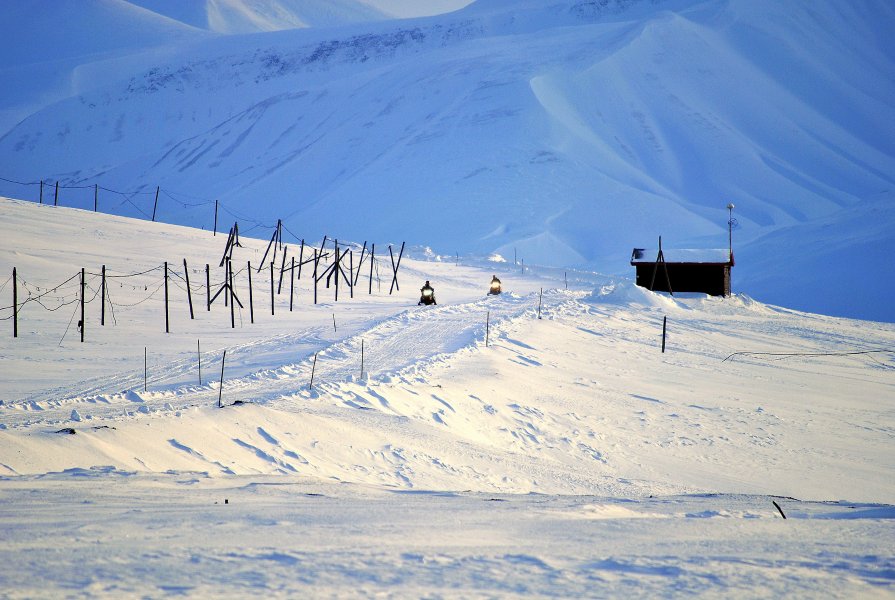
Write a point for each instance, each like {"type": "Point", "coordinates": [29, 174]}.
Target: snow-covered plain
{"type": "Point", "coordinates": [569, 131]}
{"type": "Point", "coordinates": [567, 456]}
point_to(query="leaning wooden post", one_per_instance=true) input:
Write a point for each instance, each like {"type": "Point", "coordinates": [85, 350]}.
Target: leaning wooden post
{"type": "Point", "coordinates": [155, 206]}
{"type": "Point", "coordinates": [15, 305]}
{"type": "Point", "coordinates": [301, 258]}
{"type": "Point", "coordinates": [56, 195]}
{"type": "Point", "coordinates": [207, 288]}
{"type": "Point", "coordinates": [189, 293]}
{"type": "Point", "coordinates": [102, 318]}
{"type": "Point", "coordinates": [271, 289]}
{"type": "Point", "coordinates": [251, 303]}
{"type": "Point", "coordinates": [215, 217]}
{"type": "Point", "coordinates": [395, 268]}
{"type": "Point", "coordinates": [95, 196]}
{"type": "Point", "coordinates": [664, 321]}
{"type": "Point", "coordinates": [83, 285]}
{"type": "Point", "coordinates": [291, 284]}
{"type": "Point", "coordinates": [221, 387]}
{"type": "Point", "coordinates": [282, 270]}
{"type": "Point", "coordinates": [167, 324]}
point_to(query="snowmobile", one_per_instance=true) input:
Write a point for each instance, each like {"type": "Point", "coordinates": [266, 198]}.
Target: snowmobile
{"type": "Point", "coordinates": [495, 289]}
{"type": "Point", "coordinates": [427, 295]}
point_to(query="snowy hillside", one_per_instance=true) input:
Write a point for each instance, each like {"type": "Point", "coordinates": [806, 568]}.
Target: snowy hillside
{"type": "Point", "coordinates": [469, 448]}
{"type": "Point", "coordinates": [567, 132]}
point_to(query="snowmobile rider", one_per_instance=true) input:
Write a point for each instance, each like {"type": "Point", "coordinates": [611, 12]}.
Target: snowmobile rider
{"type": "Point", "coordinates": [494, 288]}
{"type": "Point", "coordinates": [427, 294]}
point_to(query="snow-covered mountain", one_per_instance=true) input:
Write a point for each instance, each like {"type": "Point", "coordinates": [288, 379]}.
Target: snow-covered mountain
{"type": "Point", "coordinates": [565, 132]}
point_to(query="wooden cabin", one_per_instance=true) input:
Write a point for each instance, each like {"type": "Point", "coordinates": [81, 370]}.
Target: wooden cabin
{"type": "Point", "coordinates": [706, 271]}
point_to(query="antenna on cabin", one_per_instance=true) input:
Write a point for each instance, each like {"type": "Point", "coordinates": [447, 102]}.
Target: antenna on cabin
{"type": "Point", "coordinates": [730, 223]}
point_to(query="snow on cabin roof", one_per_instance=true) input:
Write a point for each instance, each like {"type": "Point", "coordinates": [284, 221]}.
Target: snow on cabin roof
{"type": "Point", "coordinates": [682, 255]}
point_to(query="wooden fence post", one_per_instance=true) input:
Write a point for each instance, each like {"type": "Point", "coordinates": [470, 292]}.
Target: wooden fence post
{"type": "Point", "coordinates": [41, 197]}
{"type": "Point", "coordinates": [102, 318]}
{"type": "Point", "coordinates": [155, 206]}
{"type": "Point", "coordinates": [282, 270]}
{"type": "Point", "coordinates": [207, 288]}
{"type": "Point", "coordinates": [83, 285]}
{"type": "Point", "coordinates": [229, 282]}
{"type": "Point", "coordinates": [271, 289]}
{"type": "Point", "coordinates": [56, 195]}
{"type": "Point", "coordinates": [487, 328]}
{"type": "Point", "coordinates": [251, 302]}
{"type": "Point", "coordinates": [189, 293]}
{"type": "Point", "coordinates": [221, 387]}
{"type": "Point", "coordinates": [313, 368]}
{"type": "Point", "coordinates": [15, 305]}
{"type": "Point", "coordinates": [291, 284]}
{"type": "Point", "coordinates": [95, 196]}
{"type": "Point", "coordinates": [351, 273]}
{"type": "Point", "coordinates": [167, 322]}
{"type": "Point", "coordinates": [664, 321]}
{"type": "Point", "coordinates": [215, 217]}
{"type": "Point", "coordinates": [372, 260]}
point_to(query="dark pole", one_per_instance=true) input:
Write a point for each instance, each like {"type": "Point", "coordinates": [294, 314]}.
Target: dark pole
{"type": "Point", "coordinates": [221, 388]}
{"type": "Point", "coordinates": [15, 305]}
{"type": "Point", "coordinates": [102, 319]}
{"type": "Point", "coordinates": [316, 260]}
{"type": "Point", "coordinates": [207, 288]}
{"type": "Point", "coordinates": [229, 281]}
{"type": "Point", "coordinates": [301, 258]}
{"type": "Point", "coordinates": [372, 260]}
{"type": "Point", "coordinates": [351, 274]}
{"type": "Point", "coordinates": [313, 368]}
{"type": "Point", "coordinates": [83, 285]}
{"type": "Point", "coordinates": [189, 293]}
{"type": "Point", "coordinates": [215, 217]}
{"type": "Point", "coordinates": [337, 268]}
{"type": "Point", "coordinates": [487, 327]}
{"type": "Point", "coordinates": [251, 303]}
{"type": "Point", "coordinates": [271, 289]}
{"type": "Point", "coordinates": [41, 198]}
{"type": "Point", "coordinates": [539, 302]}
{"type": "Point", "coordinates": [154, 206]}
{"type": "Point", "coordinates": [167, 323]}
{"type": "Point", "coordinates": [56, 195]}
{"type": "Point", "coordinates": [664, 322]}
{"type": "Point", "coordinates": [282, 270]}
{"type": "Point", "coordinates": [95, 196]}
{"type": "Point", "coordinates": [291, 284]}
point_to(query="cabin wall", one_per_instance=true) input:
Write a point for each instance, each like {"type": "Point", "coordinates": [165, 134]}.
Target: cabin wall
{"type": "Point", "coordinates": [708, 279]}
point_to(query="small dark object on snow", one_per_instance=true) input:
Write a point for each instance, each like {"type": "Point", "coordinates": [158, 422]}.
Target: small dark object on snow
{"type": "Point", "coordinates": [226, 501]}
{"type": "Point", "coordinates": [778, 508]}
{"type": "Point", "coordinates": [494, 289]}
{"type": "Point", "coordinates": [427, 295]}
{"type": "Point", "coordinates": [67, 430]}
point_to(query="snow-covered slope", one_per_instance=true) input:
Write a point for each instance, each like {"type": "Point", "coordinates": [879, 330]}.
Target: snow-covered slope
{"type": "Point", "coordinates": [565, 132]}
{"type": "Point", "coordinates": [469, 448]}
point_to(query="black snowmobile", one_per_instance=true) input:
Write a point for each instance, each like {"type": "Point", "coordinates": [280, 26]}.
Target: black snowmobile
{"type": "Point", "coordinates": [427, 295]}
{"type": "Point", "coordinates": [495, 289]}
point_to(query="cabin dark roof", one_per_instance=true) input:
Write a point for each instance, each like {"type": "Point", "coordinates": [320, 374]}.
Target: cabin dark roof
{"type": "Point", "coordinates": [712, 256]}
